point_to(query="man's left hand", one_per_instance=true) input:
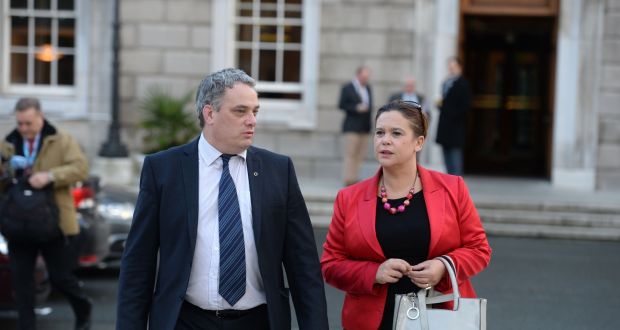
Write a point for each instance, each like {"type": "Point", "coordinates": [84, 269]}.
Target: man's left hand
{"type": "Point", "coordinates": [39, 180]}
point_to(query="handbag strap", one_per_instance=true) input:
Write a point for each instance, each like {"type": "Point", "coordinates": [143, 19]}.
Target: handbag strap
{"type": "Point", "coordinates": [423, 311]}
{"type": "Point", "coordinates": [447, 261]}
{"type": "Point", "coordinates": [454, 296]}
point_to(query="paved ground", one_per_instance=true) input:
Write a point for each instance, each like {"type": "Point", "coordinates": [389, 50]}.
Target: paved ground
{"type": "Point", "coordinates": [530, 284]}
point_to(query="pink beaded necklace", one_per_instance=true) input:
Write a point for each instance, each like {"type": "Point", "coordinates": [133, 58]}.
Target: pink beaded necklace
{"type": "Point", "coordinates": [401, 208]}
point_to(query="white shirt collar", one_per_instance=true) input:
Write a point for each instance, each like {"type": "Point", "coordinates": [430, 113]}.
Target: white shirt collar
{"type": "Point", "coordinates": [209, 154]}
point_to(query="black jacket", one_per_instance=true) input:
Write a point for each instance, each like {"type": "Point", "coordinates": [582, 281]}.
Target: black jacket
{"type": "Point", "coordinates": [453, 115]}
{"type": "Point", "coordinates": [354, 121]}
{"type": "Point", "coordinates": [158, 256]}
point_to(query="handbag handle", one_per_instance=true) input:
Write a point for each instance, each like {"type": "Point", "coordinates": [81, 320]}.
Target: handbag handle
{"type": "Point", "coordinates": [454, 296]}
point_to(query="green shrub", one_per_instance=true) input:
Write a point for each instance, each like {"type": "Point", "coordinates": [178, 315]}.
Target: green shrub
{"type": "Point", "coordinates": [168, 120]}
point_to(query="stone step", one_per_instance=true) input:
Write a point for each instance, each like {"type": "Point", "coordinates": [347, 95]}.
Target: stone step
{"type": "Point", "coordinates": [508, 204]}
{"type": "Point", "coordinates": [522, 216]}
{"type": "Point", "coordinates": [320, 208]}
{"type": "Point", "coordinates": [531, 222]}
{"type": "Point", "coordinates": [547, 231]}
{"type": "Point", "coordinates": [546, 205]}
{"type": "Point", "coordinates": [550, 218]}
{"type": "Point", "coordinates": [526, 230]}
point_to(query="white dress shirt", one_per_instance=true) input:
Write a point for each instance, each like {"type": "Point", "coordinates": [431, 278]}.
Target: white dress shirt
{"type": "Point", "coordinates": [202, 290]}
{"type": "Point", "coordinates": [362, 91]}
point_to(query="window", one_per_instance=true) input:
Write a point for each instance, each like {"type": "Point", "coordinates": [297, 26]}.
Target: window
{"type": "Point", "coordinates": [276, 42]}
{"type": "Point", "coordinates": [42, 43]}
{"type": "Point", "coordinates": [269, 44]}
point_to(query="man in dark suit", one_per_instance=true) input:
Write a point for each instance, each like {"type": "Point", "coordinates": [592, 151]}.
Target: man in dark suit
{"type": "Point", "coordinates": [215, 221]}
{"type": "Point", "coordinates": [452, 117]}
{"type": "Point", "coordinates": [356, 101]}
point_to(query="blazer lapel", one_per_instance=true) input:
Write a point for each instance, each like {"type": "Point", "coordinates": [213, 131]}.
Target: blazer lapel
{"type": "Point", "coordinates": [189, 168]}
{"type": "Point", "coordinates": [367, 208]}
{"type": "Point", "coordinates": [435, 199]}
{"type": "Point", "coordinates": [255, 178]}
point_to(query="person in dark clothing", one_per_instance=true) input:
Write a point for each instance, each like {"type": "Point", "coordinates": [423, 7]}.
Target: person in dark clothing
{"type": "Point", "coordinates": [46, 156]}
{"type": "Point", "coordinates": [356, 101]}
{"type": "Point", "coordinates": [456, 100]}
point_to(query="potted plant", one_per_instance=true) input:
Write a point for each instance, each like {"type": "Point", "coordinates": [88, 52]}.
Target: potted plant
{"type": "Point", "coordinates": [168, 121]}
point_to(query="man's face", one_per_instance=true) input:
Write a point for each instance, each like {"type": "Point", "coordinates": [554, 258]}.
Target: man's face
{"type": "Point", "coordinates": [363, 76]}
{"type": "Point", "coordinates": [29, 123]}
{"type": "Point", "coordinates": [454, 68]}
{"type": "Point", "coordinates": [231, 129]}
{"type": "Point", "coordinates": [409, 86]}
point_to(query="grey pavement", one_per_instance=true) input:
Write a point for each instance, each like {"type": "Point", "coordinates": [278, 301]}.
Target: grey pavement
{"type": "Point", "coordinates": [530, 284]}
{"type": "Point", "coordinates": [540, 284]}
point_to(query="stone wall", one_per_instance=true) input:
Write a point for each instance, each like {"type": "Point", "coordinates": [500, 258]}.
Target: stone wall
{"type": "Point", "coordinates": [374, 33]}
{"type": "Point", "coordinates": [165, 43]}
{"type": "Point", "coordinates": [608, 169]}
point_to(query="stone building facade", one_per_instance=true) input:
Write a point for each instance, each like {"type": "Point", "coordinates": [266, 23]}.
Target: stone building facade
{"type": "Point", "coordinates": [174, 43]}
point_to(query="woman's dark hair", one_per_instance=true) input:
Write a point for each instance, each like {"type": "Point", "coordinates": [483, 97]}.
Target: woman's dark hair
{"type": "Point", "coordinates": [412, 111]}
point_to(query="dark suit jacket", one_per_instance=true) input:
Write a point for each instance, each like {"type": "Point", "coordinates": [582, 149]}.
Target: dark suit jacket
{"type": "Point", "coordinates": [453, 115]}
{"type": "Point", "coordinates": [354, 121]}
{"type": "Point", "coordinates": [166, 219]}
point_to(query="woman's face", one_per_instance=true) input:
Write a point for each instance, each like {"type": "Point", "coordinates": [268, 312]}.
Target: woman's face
{"type": "Point", "coordinates": [395, 142]}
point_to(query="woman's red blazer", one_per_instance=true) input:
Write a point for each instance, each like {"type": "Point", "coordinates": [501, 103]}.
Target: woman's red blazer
{"type": "Point", "coordinates": [352, 254]}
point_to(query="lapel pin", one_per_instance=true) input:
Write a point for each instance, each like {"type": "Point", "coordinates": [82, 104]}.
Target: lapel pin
{"type": "Point", "coordinates": [255, 173]}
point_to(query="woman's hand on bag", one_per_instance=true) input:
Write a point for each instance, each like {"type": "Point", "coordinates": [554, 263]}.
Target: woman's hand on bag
{"type": "Point", "coordinates": [392, 270]}
{"type": "Point", "coordinates": [427, 274]}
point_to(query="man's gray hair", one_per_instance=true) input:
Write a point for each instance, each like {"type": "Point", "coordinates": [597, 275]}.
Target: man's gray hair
{"type": "Point", "coordinates": [26, 103]}
{"type": "Point", "coordinates": [213, 87]}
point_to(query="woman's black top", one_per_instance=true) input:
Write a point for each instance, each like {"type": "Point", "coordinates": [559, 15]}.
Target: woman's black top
{"type": "Point", "coordinates": [404, 236]}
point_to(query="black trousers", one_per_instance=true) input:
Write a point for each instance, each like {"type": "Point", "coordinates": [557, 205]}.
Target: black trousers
{"type": "Point", "coordinates": [194, 318]}
{"type": "Point", "coordinates": [60, 260]}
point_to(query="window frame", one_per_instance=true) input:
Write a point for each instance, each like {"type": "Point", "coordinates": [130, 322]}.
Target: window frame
{"type": "Point", "coordinates": [62, 100]}
{"type": "Point", "coordinates": [297, 114]}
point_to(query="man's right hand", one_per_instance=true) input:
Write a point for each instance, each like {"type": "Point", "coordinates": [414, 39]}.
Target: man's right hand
{"type": "Point", "coordinates": [362, 107]}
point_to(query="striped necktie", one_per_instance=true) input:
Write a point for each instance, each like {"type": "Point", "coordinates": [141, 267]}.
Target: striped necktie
{"type": "Point", "coordinates": [232, 248]}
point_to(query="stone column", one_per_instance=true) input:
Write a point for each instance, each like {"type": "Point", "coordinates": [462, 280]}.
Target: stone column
{"type": "Point", "coordinates": [575, 126]}
{"type": "Point", "coordinates": [436, 39]}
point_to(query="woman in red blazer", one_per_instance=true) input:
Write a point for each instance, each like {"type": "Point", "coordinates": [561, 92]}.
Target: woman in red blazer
{"type": "Point", "coordinates": [387, 230]}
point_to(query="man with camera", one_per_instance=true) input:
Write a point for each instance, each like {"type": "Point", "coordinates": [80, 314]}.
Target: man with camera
{"type": "Point", "coordinates": [42, 158]}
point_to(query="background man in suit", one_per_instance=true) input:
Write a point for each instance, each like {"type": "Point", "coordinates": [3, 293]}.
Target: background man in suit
{"type": "Point", "coordinates": [452, 116]}
{"type": "Point", "coordinates": [409, 93]}
{"type": "Point", "coordinates": [215, 221]}
{"type": "Point", "coordinates": [356, 101]}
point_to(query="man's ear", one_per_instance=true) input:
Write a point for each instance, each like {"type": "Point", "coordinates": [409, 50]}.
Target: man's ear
{"type": "Point", "coordinates": [207, 114]}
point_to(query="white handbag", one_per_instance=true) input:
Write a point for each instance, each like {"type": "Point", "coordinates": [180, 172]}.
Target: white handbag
{"type": "Point", "coordinates": [412, 311]}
